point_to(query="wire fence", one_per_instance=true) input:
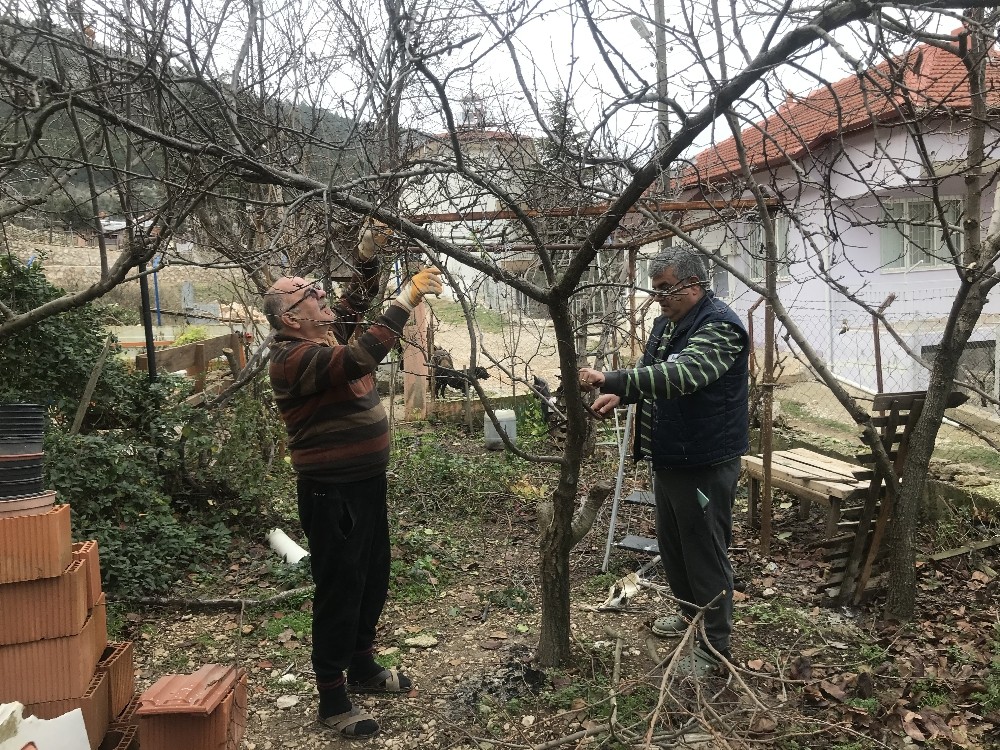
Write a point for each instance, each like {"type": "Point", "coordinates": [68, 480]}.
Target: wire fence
{"type": "Point", "coordinates": [868, 357]}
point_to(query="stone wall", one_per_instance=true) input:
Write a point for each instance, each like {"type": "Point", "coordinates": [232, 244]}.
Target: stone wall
{"type": "Point", "coordinates": [61, 237]}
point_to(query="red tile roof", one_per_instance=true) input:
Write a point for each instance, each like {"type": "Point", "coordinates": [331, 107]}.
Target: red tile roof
{"type": "Point", "coordinates": [936, 82]}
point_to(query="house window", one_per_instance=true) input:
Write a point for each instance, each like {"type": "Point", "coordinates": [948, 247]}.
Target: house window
{"type": "Point", "coordinates": [642, 271]}
{"type": "Point", "coordinates": [757, 253]}
{"type": "Point", "coordinates": [912, 235]}
{"type": "Point", "coordinates": [720, 281]}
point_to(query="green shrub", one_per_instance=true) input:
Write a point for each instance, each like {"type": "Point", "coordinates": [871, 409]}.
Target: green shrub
{"type": "Point", "coordinates": [228, 461]}
{"type": "Point", "coordinates": [149, 477]}
{"type": "Point", "coordinates": [114, 314]}
{"type": "Point", "coordinates": [50, 362]}
{"type": "Point", "coordinates": [117, 498]}
{"type": "Point", "coordinates": [191, 335]}
{"type": "Point", "coordinates": [531, 426]}
{"type": "Point", "coordinates": [429, 473]}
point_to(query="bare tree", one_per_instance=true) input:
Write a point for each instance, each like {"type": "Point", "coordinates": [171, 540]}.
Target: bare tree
{"type": "Point", "coordinates": [272, 131]}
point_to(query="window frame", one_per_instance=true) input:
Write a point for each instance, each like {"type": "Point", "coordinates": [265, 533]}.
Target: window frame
{"type": "Point", "coordinates": [901, 253]}
{"type": "Point", "coordinates": [755, 236]}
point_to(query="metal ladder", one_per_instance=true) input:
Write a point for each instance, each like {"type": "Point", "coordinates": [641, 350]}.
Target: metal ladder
{"type": "Point", "coordinates": [635, 497]}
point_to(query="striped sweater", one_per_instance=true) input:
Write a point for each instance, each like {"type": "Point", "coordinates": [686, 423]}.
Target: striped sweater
{"type": "Point", "coordinates": [708, 355]}
{"type": "Point", "coordinates": [325, 392]}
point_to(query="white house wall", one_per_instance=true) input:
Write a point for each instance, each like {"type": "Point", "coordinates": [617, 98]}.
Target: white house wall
{"type": "Point", "coordinates": [499, 160]}
{"type": "Point", "coordinates": [834, 326]}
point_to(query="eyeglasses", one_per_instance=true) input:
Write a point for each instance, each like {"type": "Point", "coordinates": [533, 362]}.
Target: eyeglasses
{"type": "Point", "coordinates": [671, 290]}
{"type": "Point", "coordinates": [311, 291]}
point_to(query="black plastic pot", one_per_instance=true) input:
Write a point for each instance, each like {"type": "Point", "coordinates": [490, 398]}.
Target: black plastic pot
{"type": "Point", "coordinates": [9, 418]}
{"type": "Point", "coordinates": [20, 445]}
{"type": "Point", "coordinates": [18, 487]}
{"type": "Point", "coordinates": [22, 421]}
{"type": "Point", "coordinates": [14, 412]}
{"type": "Point", "coordinates": [20, 409]}
{"type": "Point", "coordinates": [24, 468]}
{"type": "Point", "coordinates": [31, 431]}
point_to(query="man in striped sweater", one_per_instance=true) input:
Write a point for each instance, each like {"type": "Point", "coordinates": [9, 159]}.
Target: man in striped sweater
{"type": "Point", "coordinates": [691, 386]}
{"type": "Point", "coordinates": [322, 374]}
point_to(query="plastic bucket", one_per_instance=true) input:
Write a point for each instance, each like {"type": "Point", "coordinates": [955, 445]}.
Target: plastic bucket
{"type": "Point", "coordinates": [508, 423]}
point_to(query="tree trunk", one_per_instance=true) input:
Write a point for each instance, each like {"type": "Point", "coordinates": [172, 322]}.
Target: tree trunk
{"type": "Point", "coordinates": [976, 272]}
{"type": "Point", "coordinates": [584, 516]}
{"type": "Point", "coordinates": [554, 547]}
{"type": "Point", "coordinates": [555, 538]}
{"type": "Point", "coordinates": [902, 587]}
{"type": "Point", "coordinates": [902, 584]}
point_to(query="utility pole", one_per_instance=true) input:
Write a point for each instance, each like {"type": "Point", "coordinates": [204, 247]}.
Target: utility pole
{"type": "Point", "coordinates": [662, 121]}
{"type": "Point", "coordinates": [659, 41]}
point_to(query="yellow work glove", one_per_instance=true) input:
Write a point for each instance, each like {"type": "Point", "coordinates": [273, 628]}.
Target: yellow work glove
{"type": "Point", "coordinates": [374, 237]}
{"type": "Point", "coordinates": [425, 281]}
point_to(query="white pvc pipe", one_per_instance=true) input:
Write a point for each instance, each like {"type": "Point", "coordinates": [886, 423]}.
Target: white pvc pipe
{"type": "Point", "coordinates": [285, 546]}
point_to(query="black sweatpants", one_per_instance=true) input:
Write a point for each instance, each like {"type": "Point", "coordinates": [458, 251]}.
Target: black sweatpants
{"type": "Point", "coordinates": [694, 527]}
{"type": "Point", "coordinates": [348, 531]}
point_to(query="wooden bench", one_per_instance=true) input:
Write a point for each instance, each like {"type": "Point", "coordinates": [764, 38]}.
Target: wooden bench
{"type": "Point", "coordinates": [808, 476]}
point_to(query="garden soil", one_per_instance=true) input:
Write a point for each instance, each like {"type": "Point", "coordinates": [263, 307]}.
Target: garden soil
{"type": "Point", "coordinates": [808, 673]}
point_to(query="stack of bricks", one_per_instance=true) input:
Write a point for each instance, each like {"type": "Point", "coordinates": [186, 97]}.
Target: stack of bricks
{"type": "Point", "coordinates": [54, 650]}
{"type": "Point", "coordinates": [206, 710]}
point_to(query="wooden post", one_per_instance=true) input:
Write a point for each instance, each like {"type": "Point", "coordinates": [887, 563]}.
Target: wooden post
{"type": "Point", "coordinates": [88, 391]}
{"type": "Point", "coordinates": [432, 379]}
{"type": "Point", "coordinates": [234, 365]}
{"type": "Point", "coordinates": [199, 368]}
{"type": "Point", "coordinates": [633, 253]}
{"type": "Point", "coordinates": [415, 364]}
{"type": "Point", "coordinates": [240, 350]}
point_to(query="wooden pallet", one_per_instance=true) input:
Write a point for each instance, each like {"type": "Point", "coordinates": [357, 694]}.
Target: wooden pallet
{"type": "Point", "coordinates": [860, 558]}
{"type": "Point", "coordinates": [854, 534]}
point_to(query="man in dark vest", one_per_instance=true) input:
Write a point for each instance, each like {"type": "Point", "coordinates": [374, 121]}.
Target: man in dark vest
{"type": "Point", "coordinates": [691, 387]}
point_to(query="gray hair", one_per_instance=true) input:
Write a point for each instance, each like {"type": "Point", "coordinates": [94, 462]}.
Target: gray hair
{"type": "Point", "coordinates": [274, 308]}
{"type": "Point", "coordinates": [684, 259]}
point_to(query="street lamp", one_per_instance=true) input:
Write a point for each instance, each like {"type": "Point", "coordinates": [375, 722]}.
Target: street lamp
{"type": "Point", "coordinates": [660, 50]}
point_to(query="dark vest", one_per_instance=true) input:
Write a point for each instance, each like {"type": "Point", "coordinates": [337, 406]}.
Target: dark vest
{"type": "Point", "coordinates": [710, 425]}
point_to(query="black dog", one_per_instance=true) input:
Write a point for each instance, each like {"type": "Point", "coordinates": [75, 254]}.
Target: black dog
{"type": "Point", "coordinates": [457, 379]}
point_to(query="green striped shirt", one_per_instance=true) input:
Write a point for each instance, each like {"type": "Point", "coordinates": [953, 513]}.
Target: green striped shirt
{"type": "Point", "coordinates": [710, 352]}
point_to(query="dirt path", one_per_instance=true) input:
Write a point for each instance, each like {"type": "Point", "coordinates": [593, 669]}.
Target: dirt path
{"type": "Point", "coordinates": [530, 349]}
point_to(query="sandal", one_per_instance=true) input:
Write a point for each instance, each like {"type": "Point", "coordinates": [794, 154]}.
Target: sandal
{"type": "Point", "coordinates": [356, 723]}
{"type": "Point", "coordinates": [387, 681]}
{"type": "Point", "coordinates": [697, 663]}
{"type": "Point", "coordinates": [669, 626]}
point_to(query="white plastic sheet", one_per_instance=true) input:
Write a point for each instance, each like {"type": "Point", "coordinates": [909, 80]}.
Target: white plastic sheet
{"type": "Point", "coordinates": [66, 732]}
